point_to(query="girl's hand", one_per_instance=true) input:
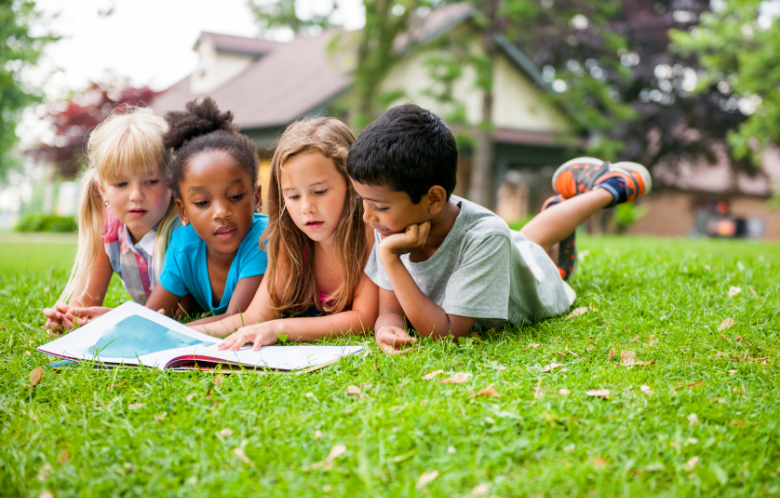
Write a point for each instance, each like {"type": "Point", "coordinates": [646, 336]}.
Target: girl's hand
{"type": "Point", "coordinates": [391, 340]}
{"type": "Point", "coordinates": [84, 315]}
{"type": "Point", "coordinates": [260, 334]}
{"type": "Point", "coordinates": [60, 318]}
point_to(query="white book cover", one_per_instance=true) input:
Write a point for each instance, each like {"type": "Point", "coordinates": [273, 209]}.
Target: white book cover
{"type": "Point", "coordinates": [134, 335]}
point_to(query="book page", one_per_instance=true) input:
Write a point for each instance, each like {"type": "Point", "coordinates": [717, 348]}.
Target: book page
{"type": "Point", "coordinates": [274, 357]}
{"type": "Point", "coordinates": [132, 335]}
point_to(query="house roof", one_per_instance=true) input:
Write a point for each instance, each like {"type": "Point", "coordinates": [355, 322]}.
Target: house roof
{"type": "Point", "coordinates": [295, 78]}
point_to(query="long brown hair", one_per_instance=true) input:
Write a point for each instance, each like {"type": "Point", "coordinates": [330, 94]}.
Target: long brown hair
{"type": "Point", "coordinates": [286, 244]}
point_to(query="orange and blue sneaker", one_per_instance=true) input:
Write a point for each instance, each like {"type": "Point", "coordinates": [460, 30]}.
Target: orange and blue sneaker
{"type": "Point", "coordinates": [567, 248]}
{"type": "Point", "coordinates": [624, 180]}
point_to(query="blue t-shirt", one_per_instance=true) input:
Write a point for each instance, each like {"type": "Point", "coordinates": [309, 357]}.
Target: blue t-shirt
{"type": "Point", "coordinates": [185, 270]}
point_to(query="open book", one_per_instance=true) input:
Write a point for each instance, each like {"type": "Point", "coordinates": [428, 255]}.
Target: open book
{"type": "Point", "coordinates": [134, 335]}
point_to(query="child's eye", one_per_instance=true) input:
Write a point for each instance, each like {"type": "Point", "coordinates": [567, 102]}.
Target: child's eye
{"type": "Point", "coordinates": [293, 197]}
{"type": "Point", "coordinates": [237, 197]}
{"type": "Point", "coordinates": [120, 184]}
{"type": "Point", "coordinates": [380, 210]}
{"type": "Point", "coordinates": [153, 182]}
{"type": "Point", "coordinates": [320, 192]}
{"type": "Point", "coordinates": [200, 203]}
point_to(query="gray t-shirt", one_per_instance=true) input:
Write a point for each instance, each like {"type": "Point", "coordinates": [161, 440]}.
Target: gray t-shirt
{"type": "Point", "coordinates": [486, 271]}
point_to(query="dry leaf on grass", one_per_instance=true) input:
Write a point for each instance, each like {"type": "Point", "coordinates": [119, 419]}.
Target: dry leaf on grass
{"type": "Point", "coordinates": [632, 341]}
{"type": "Point", "coordinates": [241, 455]}
{"type": "Point", "coordinates": [433, 374]}
{"type": "Point", "coordinates": [309, 395]}
{"type": "Point", "coordinates": [733, 291]}
{"type": "Point", "coordinates": [426, 477]}
{"type": "Point", "coordinates": [219, 380]}
{"type": "Point", "coordinates": [599, 462]}
{"type": "Point", "coordinates": [43, 474]}
{"type": "Point", "coordinates": [690, 464]}
{"type": "Point", "coordinates": [160, 417]}
{"type": "Point", "coordinates": [538, 390]}
{"type": "Point", "coordinates": [488, 392]}
{"type": "Point", "coordinates": [592, 308]}
{"type": "Point", "coordinates": [598, 393]}
{"type": "Point", "coordinates": [733, 372]}
{"type": "Point", "coordinates": [693, 419]}
{"type": "Point", "coordinates": [611, 355]}
{"type": "Point", "coordinates": [356, 391]}
{"type": "Point", "coordinates": [480, 489]}
{"type": "Point", "coordinates": [727, 323]}
{"type": "Point", "coordinates": [136, 405]}
{"type": "Point", "coordinates": [35, 376]}
{"type": "Point", "coordinates": [534, 345]}
{"type": "Point", "coordinates": [560, 355]}
{"type": "Point", "coordinates": [645, 389]}
{"type": "Point", "coordinates": [651, 341]}
{"type": "Point", "coordinates": [335, 452]}
{"type": "Point", "coordinates": [740, 423]}
{"type": "Point", "coordinates": [64, 457]}
{"type": "Point", "coordinates": [627, 358]}
{"type": "Point", "coordinates": [577, 312]}
{"type": "Point", "coordinates": [551, 367]}
{"type": "Point", "coordinates": [476, 336]}
{"type": "Point", "coordinates": [46, 494]}
{"type": "Point", "coordinates": [574, 354]}
{"type": "Point", "coordinates": [189, 398]}
{"type": "Point", "coordinates": [564, 392]}
{"type": "Point", "coordinates": [752, 290]}
{"type": "Point", "coordinates": [226, 432]}
{"type": "Point", "coordinates": [458, 378]}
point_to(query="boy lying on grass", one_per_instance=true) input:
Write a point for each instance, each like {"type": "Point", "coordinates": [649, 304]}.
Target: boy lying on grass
{"type": "Point", "coordinates": [448, 265]}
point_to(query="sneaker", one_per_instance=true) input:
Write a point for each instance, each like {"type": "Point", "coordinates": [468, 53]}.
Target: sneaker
{"type": "Point", "coordinates": [567, 249]}
{"type": "Point", "coordinates": [624, 180]}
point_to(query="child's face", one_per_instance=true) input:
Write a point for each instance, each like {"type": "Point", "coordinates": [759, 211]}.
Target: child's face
{"type": "Point", "coordinates": [314, 193]}
{"type": "Point", "coordinates": [389, 211]}
{"type": "Point", "coordinates": [139, 202]}
{"type": "Point", "coordinates": [218, 199]}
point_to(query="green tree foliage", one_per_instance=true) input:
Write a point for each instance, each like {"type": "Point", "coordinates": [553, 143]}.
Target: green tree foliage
{"type": "Point", "coordinates": [738, 46]}
{"type": "Point", "coordinates": [20, 51]}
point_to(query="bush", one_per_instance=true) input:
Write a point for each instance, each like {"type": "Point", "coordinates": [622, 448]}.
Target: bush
{"type": "Point", "coordinates": [628, 214]}
{"type": "Point", "coordinates": [39, 222]}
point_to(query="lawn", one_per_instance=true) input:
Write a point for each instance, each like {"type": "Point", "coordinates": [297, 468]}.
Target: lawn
{"type": "Point", "coordinates": [701, 420]}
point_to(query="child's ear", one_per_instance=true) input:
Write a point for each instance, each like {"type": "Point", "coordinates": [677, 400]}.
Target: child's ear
{"type": "Point", "coordinates": [100, 189]}
{"type": "Point", "coordinates": [437, 199]}
{"type": "Point", "coordinates": [182, 212]}
{"type": "Point", "coordinates": [259, 199]}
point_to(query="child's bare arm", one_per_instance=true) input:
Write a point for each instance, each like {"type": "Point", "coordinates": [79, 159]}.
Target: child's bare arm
{"type": "Point", "coordinates": [427, 317]}
{"type": "Point", "coordinates": [161, 299]}
{"type": "Point", "coordinates": [244, 293]}
{"type": "Point", "coordinates": [98, 278]}
{"type": "Point", "coordinates": [359, 320]}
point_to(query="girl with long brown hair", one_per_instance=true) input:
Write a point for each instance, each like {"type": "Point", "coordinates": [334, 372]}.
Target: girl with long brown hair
{"type": "Point", "coordinates": [317, 245]}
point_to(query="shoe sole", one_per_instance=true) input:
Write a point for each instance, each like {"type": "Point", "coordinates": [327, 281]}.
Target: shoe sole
{"type": "Point", "coordinates": [564, 167]}
{"type": "Point", "coordinates": [636, 168]}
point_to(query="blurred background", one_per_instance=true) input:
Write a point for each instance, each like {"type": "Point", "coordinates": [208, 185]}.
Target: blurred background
{"type": "Point", "coordinates": [687, 87]}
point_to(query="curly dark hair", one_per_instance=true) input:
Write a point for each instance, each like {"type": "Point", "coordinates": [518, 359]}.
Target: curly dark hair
{"type": "Point", "coordinates": [201, 127]}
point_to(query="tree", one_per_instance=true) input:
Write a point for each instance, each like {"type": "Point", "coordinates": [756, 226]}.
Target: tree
{"type": "Point", "coordinates": [21, 50]}
{"type": "Point", "coordinates": [738, 47]}
{"type": "Point", "coordinates": [74, 118]}
{"type": "Point", "coordinates": [670, 121]}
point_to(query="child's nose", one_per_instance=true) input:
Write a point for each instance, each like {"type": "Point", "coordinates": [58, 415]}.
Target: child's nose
{"type": "Point", "coordinates": [221, 209]}
{"type": "Point", "coordinates": [308, 204]}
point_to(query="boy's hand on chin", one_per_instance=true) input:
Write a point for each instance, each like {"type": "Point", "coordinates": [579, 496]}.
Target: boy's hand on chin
{"type": "Point", "coordinates": [260, 334]}
{"type": "Point", "coordinates": [414, 237]}
{"type": "Point", "coordinates": [391, 340]}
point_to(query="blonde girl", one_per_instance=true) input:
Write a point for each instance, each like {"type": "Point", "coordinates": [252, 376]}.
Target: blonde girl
{"type": "Point", "coordinates": [126, 216]}
{"type": "Point", "coordinates": [317, 245]}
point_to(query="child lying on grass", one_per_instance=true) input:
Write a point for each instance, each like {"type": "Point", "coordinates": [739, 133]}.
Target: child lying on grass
{"type": "Point", "coordinates": [448, 265]}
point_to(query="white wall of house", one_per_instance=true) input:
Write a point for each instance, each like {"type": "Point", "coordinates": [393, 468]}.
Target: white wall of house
{"type": "Point", "coordinates": [215, 67]}
{"type": "Point", "coordinates": [518, 104]}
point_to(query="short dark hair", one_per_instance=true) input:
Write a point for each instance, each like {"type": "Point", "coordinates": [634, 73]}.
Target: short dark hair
{"type": "Point", "coordinates": [409, 149]}
{"type": "Point", "coordinates": [201, 127]}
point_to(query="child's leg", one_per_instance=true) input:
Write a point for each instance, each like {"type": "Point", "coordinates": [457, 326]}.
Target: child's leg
{"type": "Point", "coordinates": [553, 225]}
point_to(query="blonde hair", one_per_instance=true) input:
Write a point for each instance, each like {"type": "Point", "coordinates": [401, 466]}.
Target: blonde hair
{"type": "Point", "coordinates": [287, 244]}
{"type": "Point", "coordinates": [126, 144]}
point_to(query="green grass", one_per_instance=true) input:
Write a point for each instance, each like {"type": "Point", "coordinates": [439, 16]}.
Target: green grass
{"type": "Point", "coordinates": [77, 433]}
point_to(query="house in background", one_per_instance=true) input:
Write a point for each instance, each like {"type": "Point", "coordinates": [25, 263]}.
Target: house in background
{"type": "Point", "coordinates": [268, 85]}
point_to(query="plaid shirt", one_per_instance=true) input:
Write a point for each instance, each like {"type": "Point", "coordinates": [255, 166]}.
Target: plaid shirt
{"type": "Point", "coordinates": [134, 263]}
